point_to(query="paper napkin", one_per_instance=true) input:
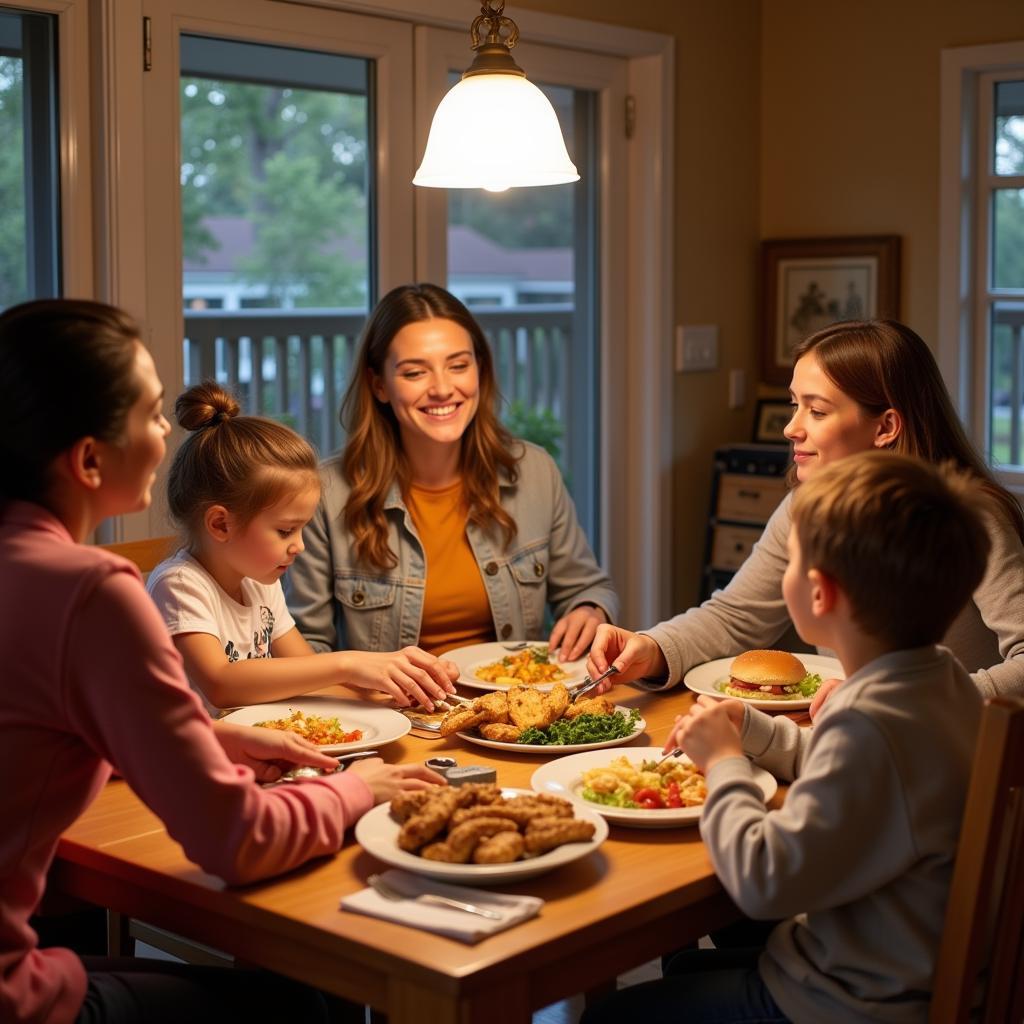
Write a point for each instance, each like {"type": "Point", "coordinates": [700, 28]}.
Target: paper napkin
{"type": "Point", "coordinates": [456, 924]}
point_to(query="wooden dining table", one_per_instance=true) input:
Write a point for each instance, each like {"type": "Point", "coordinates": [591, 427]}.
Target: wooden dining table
{"type": "Point", "coordinates": [639, 894]}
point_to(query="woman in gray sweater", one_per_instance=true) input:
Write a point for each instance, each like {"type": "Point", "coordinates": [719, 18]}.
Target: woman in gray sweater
{"type": "Point", "coordinates": [856, 386]}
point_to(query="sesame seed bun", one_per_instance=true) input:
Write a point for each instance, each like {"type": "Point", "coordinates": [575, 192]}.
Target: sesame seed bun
{"type": "Point", "coordinates": [768, 668]}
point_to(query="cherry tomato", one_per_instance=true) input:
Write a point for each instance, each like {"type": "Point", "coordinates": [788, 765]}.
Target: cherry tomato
{"type": "Point", "coordinates": [650, 799]}
{"type": "Point", "coordinates": [672, 798]}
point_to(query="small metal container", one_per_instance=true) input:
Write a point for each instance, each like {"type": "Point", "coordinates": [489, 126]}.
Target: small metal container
{"type": "Point", "coordinates": [441, 765]}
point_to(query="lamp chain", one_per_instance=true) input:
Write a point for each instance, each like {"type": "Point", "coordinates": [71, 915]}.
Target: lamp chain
{"type": "Point", "coordinates": [492, 20]}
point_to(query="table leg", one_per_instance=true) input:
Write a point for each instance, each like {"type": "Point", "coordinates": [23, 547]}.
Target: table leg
{"type": "Point", "coordinates": [119, 938]}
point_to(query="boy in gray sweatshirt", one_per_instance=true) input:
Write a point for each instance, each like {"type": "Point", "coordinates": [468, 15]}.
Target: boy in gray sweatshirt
{"type": "Point", "coordinates": [884, 551]}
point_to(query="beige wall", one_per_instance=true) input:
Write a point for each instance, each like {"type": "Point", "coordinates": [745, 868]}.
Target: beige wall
{"type": "Point", "coordinates": [850, 122]}
{"type": "Point", "coordinates": [793, 118]}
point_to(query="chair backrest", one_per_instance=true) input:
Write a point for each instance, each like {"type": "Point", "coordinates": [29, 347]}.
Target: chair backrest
{"type": "Point", "coordinates": [146, 554]}
{"type": "Point", "coordinates": [983, 935]}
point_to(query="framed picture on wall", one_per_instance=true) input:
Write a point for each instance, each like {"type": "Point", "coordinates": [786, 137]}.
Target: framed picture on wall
{"type": "Point", "coordinates": [809, 283]}
{"type": "Point", "coordinates": [770, 420]}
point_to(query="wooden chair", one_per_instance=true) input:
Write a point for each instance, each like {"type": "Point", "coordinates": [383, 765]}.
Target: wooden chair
{"type": "Point", "coordinates": [146, 554]}
{"type": "Point", "coordinates": [983, 935]}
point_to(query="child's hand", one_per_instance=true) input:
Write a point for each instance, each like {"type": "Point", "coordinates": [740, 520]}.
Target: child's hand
{"type": "Point", "coordinates": [410, 675]}
{"type": "Point", "coordinates": [709, 733]}
{"type": "Point", "coordinates": [269, 752]}
{"type": "Point", "coordinates": [385, 780]}
{"type": "Point", "coordinates": [633, 655]}
{"type": "Point", "coordinates": [821, 696]}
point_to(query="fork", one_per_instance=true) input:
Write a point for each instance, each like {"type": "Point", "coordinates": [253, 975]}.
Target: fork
{"type": "Point", "coordinates": [588, 684]}
{"type": "Point", "coordinates": [672, 753]}
{"type": "Point", "coordinates": [517, 646]}
{"type": "Point", "coordinates": [389, 892]}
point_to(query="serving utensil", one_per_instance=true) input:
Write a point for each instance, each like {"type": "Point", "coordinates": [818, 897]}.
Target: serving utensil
{"type": "Point", "coordinates": [390, 892]}
{"type": "Point", "coordinates": [588, 684]}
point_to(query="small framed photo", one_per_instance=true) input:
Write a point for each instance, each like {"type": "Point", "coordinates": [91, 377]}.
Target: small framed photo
{"type": "Point", "coordinates": [770, 420]}
{"type": "Point", "coordinates": [809, 283]}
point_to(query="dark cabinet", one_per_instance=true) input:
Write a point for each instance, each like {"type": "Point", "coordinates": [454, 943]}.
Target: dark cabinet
{"type": "Point", "coordinates": [748, 483]}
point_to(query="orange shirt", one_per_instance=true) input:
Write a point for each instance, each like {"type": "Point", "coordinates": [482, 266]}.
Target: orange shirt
{"type": "Point", "coordinates": [456, 611]}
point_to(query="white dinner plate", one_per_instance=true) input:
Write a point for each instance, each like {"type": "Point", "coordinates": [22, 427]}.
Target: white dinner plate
{"type": "Point", "coordinates": [377, 833]}
{"type": "Point", "coordinates": [710, 677]}
{"type": "Point", "coordinates": [378, 725]}
{"type": "Point", "coordinates": [475, 656]}
{"type": "Point", "coordinates": [556, 748]}
{"type": "Point", "coordinates": [564, 778]}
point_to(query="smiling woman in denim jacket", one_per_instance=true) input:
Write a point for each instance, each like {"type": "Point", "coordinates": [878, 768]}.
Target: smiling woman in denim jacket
{"type": "Point", "coordinates": [435, 526]}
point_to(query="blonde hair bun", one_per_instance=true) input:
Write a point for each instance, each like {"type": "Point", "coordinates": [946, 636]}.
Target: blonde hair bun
{"type": "Point", "coordinates": [205, 405]}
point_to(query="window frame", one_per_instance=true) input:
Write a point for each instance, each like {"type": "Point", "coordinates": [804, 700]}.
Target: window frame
{"type": "Point", "coordinates": [967, 181]}
{"type": "Point", "coordinates": [74, 135]}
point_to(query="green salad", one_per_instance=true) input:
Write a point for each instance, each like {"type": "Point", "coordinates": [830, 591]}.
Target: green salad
{"type": "Point", "coordinates": [583, 729]}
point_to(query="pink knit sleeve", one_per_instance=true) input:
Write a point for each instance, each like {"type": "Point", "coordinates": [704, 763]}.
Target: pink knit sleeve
{"type": "Point", "coordinates": [125, 690]}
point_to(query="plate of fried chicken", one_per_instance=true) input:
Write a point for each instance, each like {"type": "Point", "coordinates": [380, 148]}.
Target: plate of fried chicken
{"type": "Point", "coordinates": [479, 833]}
{"type": "Point", "coordinates": [504, 720]}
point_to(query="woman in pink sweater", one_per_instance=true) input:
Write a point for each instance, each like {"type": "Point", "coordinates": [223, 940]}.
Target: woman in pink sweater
{"type": "Point", "coordinates": [92, 681]}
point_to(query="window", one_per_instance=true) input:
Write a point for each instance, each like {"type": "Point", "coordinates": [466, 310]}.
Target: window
{"type": "Point", "coordinates": [981, 306]}
{"type": "Point", "coordinates": [1001, 223]}
{"type": "Point", "coordinates": [29, 168]}
{"type": "Point", "coordinates": [276, 203]}
{"type": "Point", "coordinates": [529, 250]}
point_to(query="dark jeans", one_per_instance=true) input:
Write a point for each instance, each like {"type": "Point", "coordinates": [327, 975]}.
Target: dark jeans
{"type": "Point", "coordinates": [128, 990]}
{"type": "Point", "coordinates": [700, 986]}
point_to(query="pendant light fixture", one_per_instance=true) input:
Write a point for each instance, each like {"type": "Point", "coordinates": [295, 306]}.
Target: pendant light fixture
{"type": "Point", "coordinates": [494, 129]}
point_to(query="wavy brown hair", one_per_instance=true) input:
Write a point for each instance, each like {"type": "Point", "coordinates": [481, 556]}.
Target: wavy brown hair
{"type": "Point", "coordinates": [245, 463]}
{"type": "Point", "coordinates": [373, 457]}
{"type": "Point", "coordinates": [883, 364]}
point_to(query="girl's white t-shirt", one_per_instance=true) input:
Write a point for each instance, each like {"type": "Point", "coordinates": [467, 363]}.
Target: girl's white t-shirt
{"type": "Point", "coordinates": [191, 601]}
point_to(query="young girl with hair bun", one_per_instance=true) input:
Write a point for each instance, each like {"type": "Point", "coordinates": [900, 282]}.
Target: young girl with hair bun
{"type": "Point", "coordinates": [242, 488]}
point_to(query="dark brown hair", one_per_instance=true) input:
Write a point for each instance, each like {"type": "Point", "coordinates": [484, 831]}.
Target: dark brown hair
{"type": "Point", "coordinates": [900, 536]}
{"type": "Point", "coordinates": [882, 364]}
{"type": "Point", "coordinates": [245, 463]}
{"type": "Point", "coordinates": [373, 457]}
{"type": "Point", "coordinates": [68, 372]}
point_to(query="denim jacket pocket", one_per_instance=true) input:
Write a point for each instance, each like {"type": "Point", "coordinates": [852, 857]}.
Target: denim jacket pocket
{"type": "Point", "coordinates": [368, 610]}
{"type": "Point", "coordinates": [530, 566]}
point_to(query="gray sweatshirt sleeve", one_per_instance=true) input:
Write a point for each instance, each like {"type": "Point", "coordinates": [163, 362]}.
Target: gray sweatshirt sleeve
{"type": "Point", "coordinates": [778, 863]}
{"type": "Point", "coordinates": [776, 743]}
{"type": "Point", "coordinates": [748, 613]}
{"type": "Point", "coordinates": [308, 585]}
{"type": "Point", "coordinates": [999, 600]}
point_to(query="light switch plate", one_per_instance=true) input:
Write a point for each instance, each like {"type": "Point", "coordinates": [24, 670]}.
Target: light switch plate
{"type": "Point", "coordinates": [696, 347]}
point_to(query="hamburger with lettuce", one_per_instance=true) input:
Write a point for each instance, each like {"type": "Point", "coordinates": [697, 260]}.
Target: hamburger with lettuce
{"type": "Point", "coordinates": [770, 675]}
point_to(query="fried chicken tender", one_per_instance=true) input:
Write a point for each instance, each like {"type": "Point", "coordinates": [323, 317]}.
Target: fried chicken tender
{"type": "Point", "coordinates": [463, 839]}
{"type": "Point", "coordinates": [494, 707]}
{"type": "Point", "coordinates": [429, 821]}
{"type": "Point", "coordinates": [475, 793]}
{"type": "Point", "coordinates": [556, 702]}
{"type": "Point", "coordinates": [543, 834]}
{"type": "Point", "coordinates": [590, 706]}
{"type": "Point", "coordinates": [501, 848]}
{"type": "Point", "coordinates": [521, 810]}
{"type": "Point", "coordinates": [498, 731]}
{"type": "Point", "coordinates": [526, 708]}
{"type": "Point", "coordinates": [460, 719]}
{"type": "Point", "coordinates": [405, 804]}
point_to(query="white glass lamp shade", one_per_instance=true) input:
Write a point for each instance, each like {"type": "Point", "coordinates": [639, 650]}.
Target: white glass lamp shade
{"type": "Point", "coordinates": [495, 132]}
